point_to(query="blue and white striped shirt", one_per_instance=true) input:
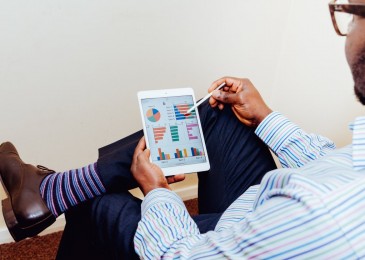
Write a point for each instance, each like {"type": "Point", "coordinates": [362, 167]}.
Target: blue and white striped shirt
{"type": "Point", "coordinates": [314, 207]}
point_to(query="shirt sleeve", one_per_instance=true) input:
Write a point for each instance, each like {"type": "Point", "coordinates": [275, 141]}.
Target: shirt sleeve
{"type": "Point", "coordinates": [165, 221]}
{"type": "Point", "coordinates": [288, 223]}
{"type": "Point", "coordinates": [293, 146]}
{"type": "Point", "coordinates": [166, 230]}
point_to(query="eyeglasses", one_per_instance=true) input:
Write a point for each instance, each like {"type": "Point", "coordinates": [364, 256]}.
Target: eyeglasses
{"type": "Point", "coordinates": [342, 14]}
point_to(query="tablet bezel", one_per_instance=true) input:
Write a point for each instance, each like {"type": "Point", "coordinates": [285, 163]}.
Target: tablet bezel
{"type": "Point", "coordinates": [164, 93]}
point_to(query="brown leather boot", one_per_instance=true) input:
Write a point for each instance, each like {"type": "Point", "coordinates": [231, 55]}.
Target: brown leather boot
{"type": "Point", "coordinates": [25, 212]}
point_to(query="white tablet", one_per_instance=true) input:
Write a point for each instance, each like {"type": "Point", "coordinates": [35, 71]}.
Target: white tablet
{"type": "Point", "coordinates": [174, 137]}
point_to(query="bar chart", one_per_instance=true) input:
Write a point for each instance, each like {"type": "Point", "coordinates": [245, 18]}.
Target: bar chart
{"type": "Point", "coordinates": [196, 152]}
{"type": "Point", "coordinates": [181, 112]}
{"type": "Point", "coordinates": [159, 133]}
{"type": "Point", "coordinates": [174, 129]}
{"type": "Point", "coordinates": [179, 153]}
{"type": "Point", "coordinates": [193, 131]}
{"type": "Point", "coordinates": [162, 155]}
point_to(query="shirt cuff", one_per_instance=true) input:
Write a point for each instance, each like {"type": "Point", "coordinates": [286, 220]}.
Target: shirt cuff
{"type": "Point", "coordinates": [160, 195]}
{"type": "Point", "coordinates": [275, 129]}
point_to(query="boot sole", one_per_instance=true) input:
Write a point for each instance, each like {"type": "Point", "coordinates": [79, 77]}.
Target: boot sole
{"type": "Point", "coordinates": [16, 230]}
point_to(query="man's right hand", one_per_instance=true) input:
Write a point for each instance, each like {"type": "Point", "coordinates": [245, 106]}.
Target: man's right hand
{"type": "Point", "coordinates": [246, 101]}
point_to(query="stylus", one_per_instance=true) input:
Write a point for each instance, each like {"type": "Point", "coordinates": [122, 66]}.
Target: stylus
{"type": "Point", "coordinates": [204, 98]}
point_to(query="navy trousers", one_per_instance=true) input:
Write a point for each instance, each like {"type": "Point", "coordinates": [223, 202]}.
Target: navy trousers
{"type": "Point", "coordinates": [104, 227]}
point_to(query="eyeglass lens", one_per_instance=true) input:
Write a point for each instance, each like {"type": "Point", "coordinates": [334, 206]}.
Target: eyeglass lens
{"type": "Point", "coordinates": [343, 21]}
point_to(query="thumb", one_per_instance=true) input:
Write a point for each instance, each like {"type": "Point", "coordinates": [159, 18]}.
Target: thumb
{"type": "Point", "coordinates": [225, 97]}
{"type": "Point", "coordinates": [146, 155]}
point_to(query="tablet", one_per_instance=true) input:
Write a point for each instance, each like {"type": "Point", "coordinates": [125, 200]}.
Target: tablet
{"type": "Point", "coordinates": [174, 137]}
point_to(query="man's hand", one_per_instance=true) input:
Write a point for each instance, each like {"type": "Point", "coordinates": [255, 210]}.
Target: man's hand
{"type": "Point", "coordinates": [148, 175]}
{"type": "Point", "coordinates": [246, 101]}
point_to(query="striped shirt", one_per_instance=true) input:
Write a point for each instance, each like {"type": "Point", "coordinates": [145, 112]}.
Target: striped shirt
{"type": "Point", "coordinates": [312, 208]}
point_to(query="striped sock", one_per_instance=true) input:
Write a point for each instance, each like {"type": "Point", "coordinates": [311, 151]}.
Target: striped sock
{"type": "Point", "coordinates": [66, 189]}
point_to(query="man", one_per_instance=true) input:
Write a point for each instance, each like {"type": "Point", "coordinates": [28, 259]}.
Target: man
{"type": "Point", "coordinates": [313, 208]}
{"type": "Point", "coordinates": [103, 227]}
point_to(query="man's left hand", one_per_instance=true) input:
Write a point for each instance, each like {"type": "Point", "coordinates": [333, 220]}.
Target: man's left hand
{"type": "Point", "coordinates": [148, 175]}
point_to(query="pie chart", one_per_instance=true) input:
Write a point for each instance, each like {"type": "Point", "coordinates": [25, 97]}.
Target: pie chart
{"type": "Point", "coordinates": [153, 115]}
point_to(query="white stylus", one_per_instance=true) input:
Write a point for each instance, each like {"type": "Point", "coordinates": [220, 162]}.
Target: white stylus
{"type": "Point", "coordinates": [204, 98]}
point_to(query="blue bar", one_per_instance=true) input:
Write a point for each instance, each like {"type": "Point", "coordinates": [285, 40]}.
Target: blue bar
{"type": "Point", "coordinates": [178, 115]}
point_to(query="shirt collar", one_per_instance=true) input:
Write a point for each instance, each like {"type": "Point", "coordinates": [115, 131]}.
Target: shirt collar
{"type": "Point", "coordinates": [358, 143]}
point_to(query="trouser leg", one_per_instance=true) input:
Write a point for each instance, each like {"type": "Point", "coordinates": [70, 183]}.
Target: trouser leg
{"type": "Point", "coordinates": [114, 219]}
{"type": "Point", "coordinates": [78, 239]}
{"type": "Point", "coordinates": [102, 228]}
{"type": "Point", "coordinates": [238, 159]}
{"type": "Point", "coordinates": [115, 161]}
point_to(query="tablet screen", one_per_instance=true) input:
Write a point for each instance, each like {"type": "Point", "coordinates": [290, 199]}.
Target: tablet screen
{"type": "Point", "coordinates": [174, 136]}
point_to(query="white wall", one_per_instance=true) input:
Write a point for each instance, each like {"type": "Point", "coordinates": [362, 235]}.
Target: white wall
{"type": "Point", "coordinates": [70, 70]}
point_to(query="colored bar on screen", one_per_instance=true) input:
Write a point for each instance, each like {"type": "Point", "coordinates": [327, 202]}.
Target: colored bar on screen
{"type": "Point", "coordinates": [185, 153]}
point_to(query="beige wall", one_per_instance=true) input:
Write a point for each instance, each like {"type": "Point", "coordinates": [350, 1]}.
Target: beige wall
{"type": "Point", "coordinates": [70, 70]}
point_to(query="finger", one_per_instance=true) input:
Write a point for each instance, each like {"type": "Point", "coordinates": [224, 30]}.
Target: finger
{"type": "Point", "coordinates": [226, 97]}
{"type": "Point", "coordinates": [175, 178]}
{"type": "Point", "coordinates": [179, 177]}
{"type": "Point", "coordinates": [213, 102]}
{"type": "Point", "coordinates": [231, 83]}
{"type": "Point", "coordinates": [216, 83]}
{"type": "Point", "coordinates": [141, 144]}
{"type": "Point", "coordinates": [248, 122]}
{"type": "Point", "coordinates": [144, 156]}
{"type": "Point", "coordinates": [170, 179]}
{"type": "Point", "coordinates": [139, 148]}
